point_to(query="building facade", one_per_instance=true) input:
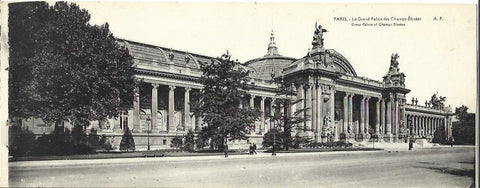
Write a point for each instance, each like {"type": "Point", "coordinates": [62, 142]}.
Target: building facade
{"type": "Point", "coordinates": [339, 105]}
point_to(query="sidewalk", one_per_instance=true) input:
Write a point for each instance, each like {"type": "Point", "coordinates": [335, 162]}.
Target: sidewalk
{"type": "Point", "coordinates": [404, 146]}
{"type": "Point", "coordinates": [388, 147]}
{"type": "Point", "coordinates": [261, 154]}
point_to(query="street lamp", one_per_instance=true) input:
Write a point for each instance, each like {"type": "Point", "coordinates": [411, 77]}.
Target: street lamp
{"type": "Point", "coordinates": [148, 132]}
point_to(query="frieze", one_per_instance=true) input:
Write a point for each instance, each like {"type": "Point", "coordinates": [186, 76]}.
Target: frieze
{"type": "Point", "coordinates": [168, 81]}
{"type": "Point", "coordinates": [423, 109]}
{"type": "Point", "coordinates": [358, 91]}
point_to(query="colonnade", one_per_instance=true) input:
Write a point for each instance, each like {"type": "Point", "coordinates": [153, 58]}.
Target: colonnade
{"type": "Point", "coordinates": [387, 117]}
{"type": "Point", "coordinates": [318, 102]}
{"type": "Point", "coordinates": [186, 122]}
{"type": "Point", "coordinates": [171, 127]}
{"type": "Point", "coordinates": [425, 125]}
{"type": "Point", "coordinates": [263, 126]}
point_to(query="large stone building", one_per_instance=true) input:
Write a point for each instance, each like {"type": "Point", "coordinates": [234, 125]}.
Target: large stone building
{"type": "Point", "coordinates": [339, 104]}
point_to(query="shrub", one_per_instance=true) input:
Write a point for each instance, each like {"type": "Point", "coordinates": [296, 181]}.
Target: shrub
{"type": "Point", "coordinates": [464, 131]}
{"type": "Point", "coordinates": [177, 142]}
{"type": "Point", "coordinates": [127, 143]}
{"type": "Point", "coordinates": [104, 143]}
{"type": "Point", "coordinates": [189, 141]}
{"type": "Point", "coordinates": [439, 136]}
{"type": "Point", "coordinates": [59, 143]}
{"type": "Point", "coordinates": [22, 141]}
{"type": "Point", "coordinates": [268, 139]}
{"type": "Point", "coordinates": [299, 142]}
{"type": "Point", "coordinates": [200, 143]}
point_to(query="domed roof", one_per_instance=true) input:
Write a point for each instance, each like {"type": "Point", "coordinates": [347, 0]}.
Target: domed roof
{"type": "Point", "coordinates": [272, 62]}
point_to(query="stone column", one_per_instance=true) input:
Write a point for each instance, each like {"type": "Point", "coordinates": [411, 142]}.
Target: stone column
{"type": "Point", "coordinates": [332, 112]}
{"type": "Point", "coordinates": [367, 115]}
{"type": "Point", "coordinates": [403, 113]}
{"type": "Point", "coordinates": [419, 125]}
{"type": "Point", "coordinates": [345, 113]}
{"type": "Point", "coordinates": [171, 109]}
{"type": "Point", "coordinates": [320, 109]}
{"type": "Point", "coordinates": [252, 106]}
{"type": "Point", "coordinates": [240, 103]}
{"type": "Point", "coordinates": [293, 105]}
{"type": "Point", "coordinates": [350, 111]}
{"type": "Point", "coordinates": [262, 117]}
{"type": "Point", "coordinates": [300, 105]}
{"type": "Point", "coordinates": [252, 101]}
{"type": "Point", "coordinates": [397, 122]}
{"type": "Point", "coordinates": [425, 126]}
{"type": "Point", "coordinates": [153, 121]}
{"type": "Point", "coordinates": [415, 126]}
{"type": "Point", "coordinates": [415, 122]}
{"type": "Point", "coordinates": [430, 126]}
{"type": "Point", "coordinates": [362, 116]}
{"type": "Point", "coordinates": [410, 125]}
{"type": "Point", "coordinates": [308, 106]}
{"type": "Point", "coordinates": [445, 128]}
{"type": "Point", "coordinates": [434, 125]}
{"type": "Point", "coordinates": [382, 116]}
{"type": "Point", "coordinates": [388, 127]}
{"type": "Point", "coordinates": [422, 125]}
{"type": "Point", "coordinates": [272, 113]}
{"type": "Point", "coordinates": [136, 110]}
{"type": "Point", "coordinates": [200, 123]}
{"type": "Point", "coordinates": [187, 109]}
{"type": "Point", "coordinates": [413, 129]}
{"type": "Point", "coordinates": [377, 118]}
{"type": "Point", "coordinates": [314, 125]}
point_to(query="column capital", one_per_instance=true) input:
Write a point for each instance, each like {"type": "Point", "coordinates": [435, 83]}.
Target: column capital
{"type": "Point", "coordinates": [263, 98]}
{"type": "Point", "coordinates": [252, 96]}
{"type": "Point", "coordinates": [188, 89]}
{"type": "Point", "coordinates": [155, 86]}
{"type": "Point", "coordinates": [172, 87]}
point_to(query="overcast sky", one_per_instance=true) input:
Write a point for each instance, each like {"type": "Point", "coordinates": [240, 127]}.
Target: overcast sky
{"type": "Point", "coordinates": [436, 56]}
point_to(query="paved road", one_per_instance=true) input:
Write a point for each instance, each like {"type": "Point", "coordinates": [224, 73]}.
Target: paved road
{"type": "Point", "coordinates": [437, 167]}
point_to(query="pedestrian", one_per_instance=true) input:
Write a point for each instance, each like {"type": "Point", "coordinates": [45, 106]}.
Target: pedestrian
{"type": "Point", "coordinates": [250, 149]}
{"type": "Point", "coordinates": [410, 145]}
{"type": "Point", "coordinates": [225, 150]}
{"type": "Point", "coordinates": [254, 148]}
{"type": "Point", "coordinates": [451, 140]}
